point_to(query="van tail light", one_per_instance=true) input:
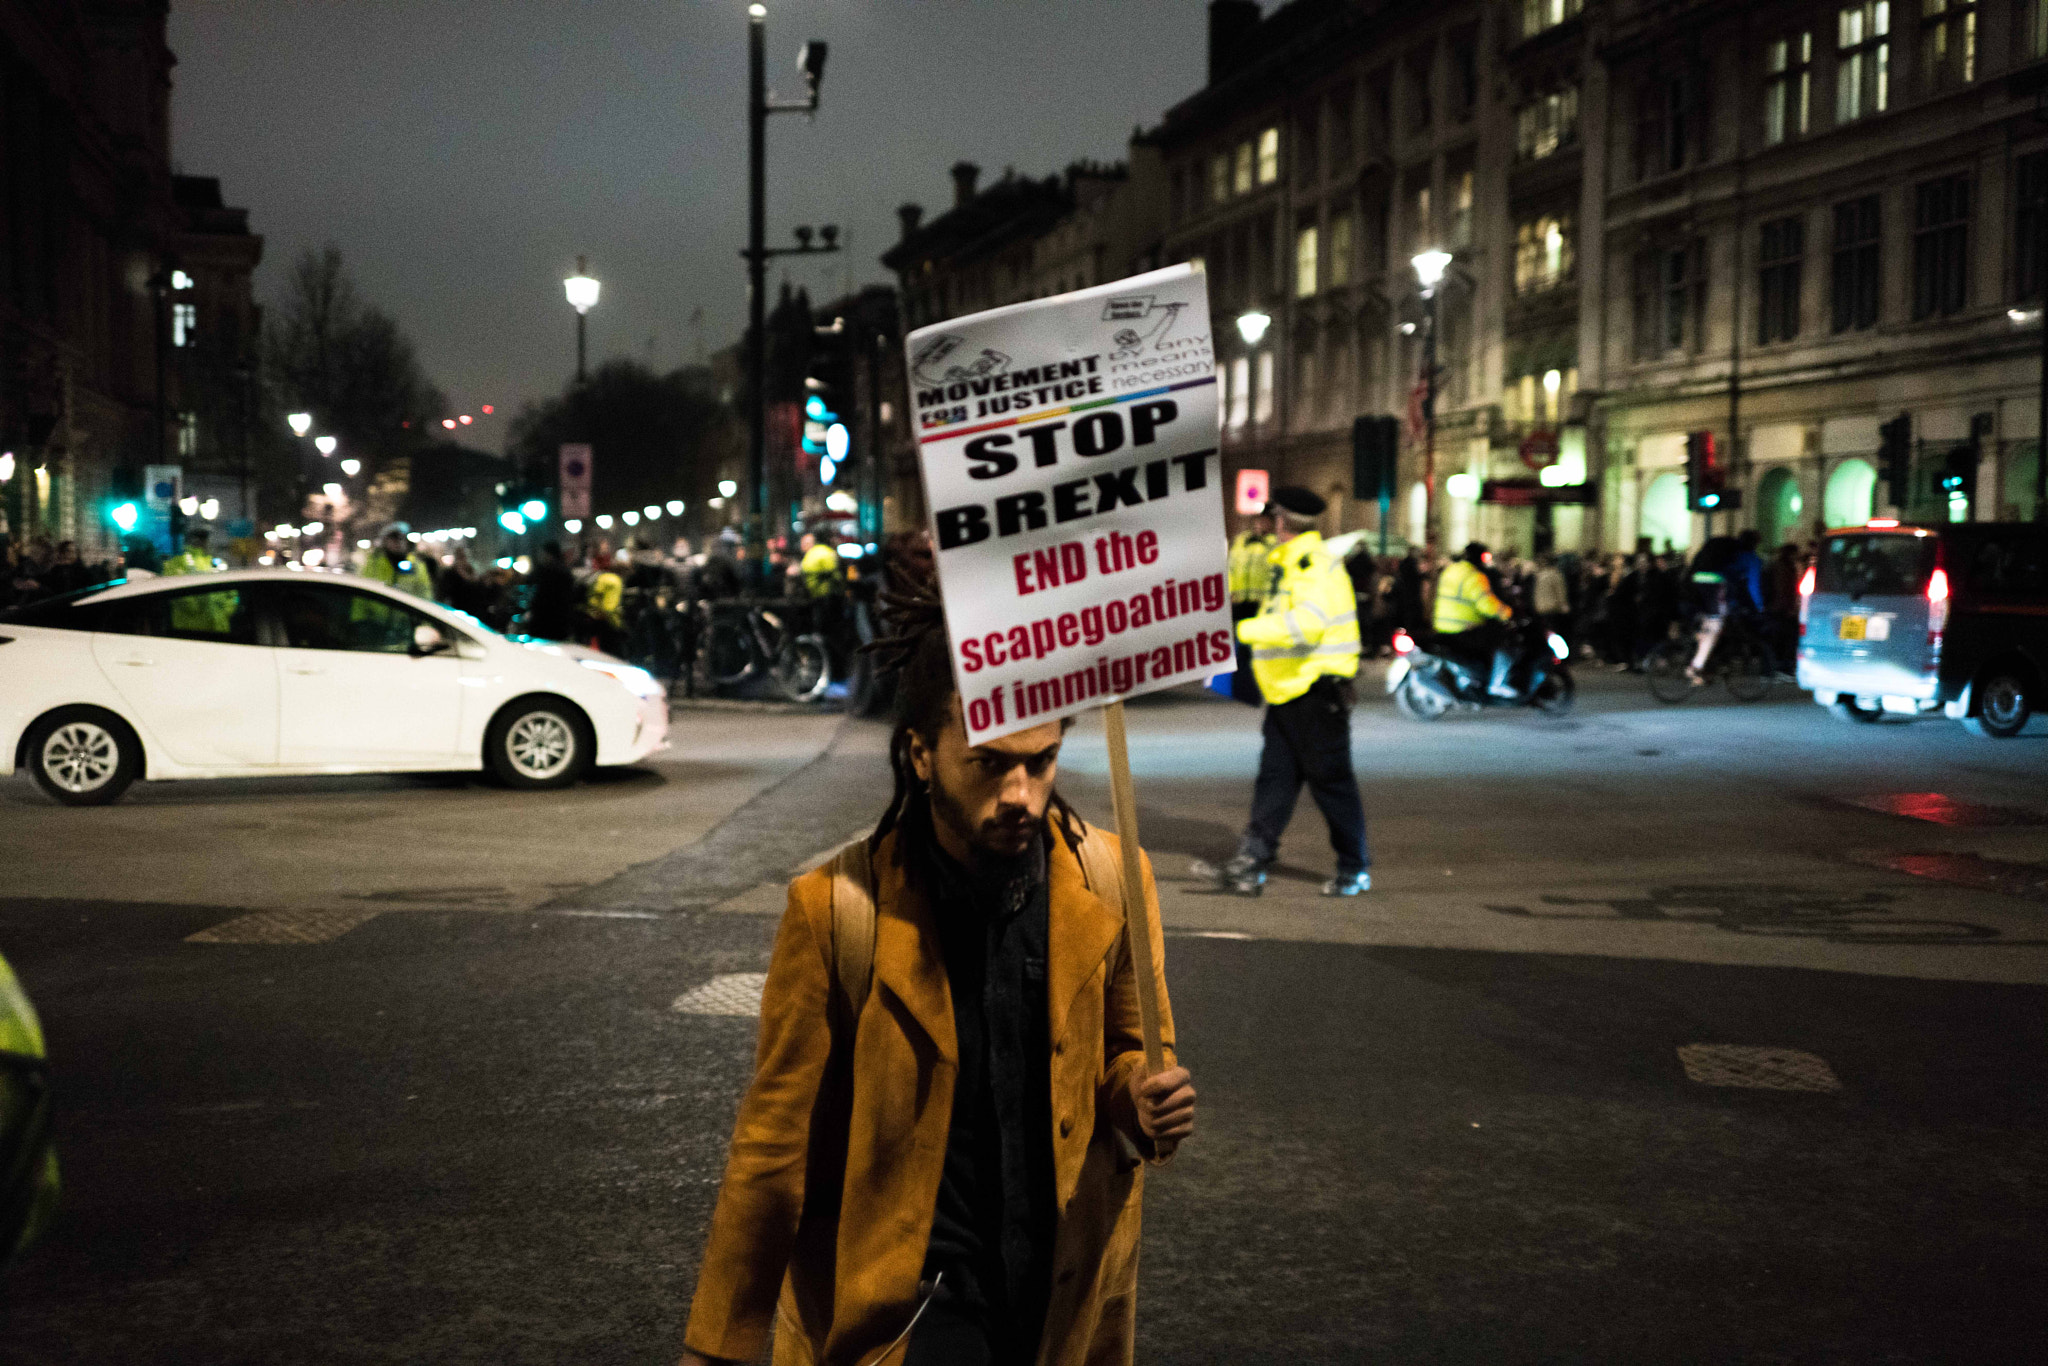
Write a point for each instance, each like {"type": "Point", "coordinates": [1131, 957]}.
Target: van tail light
{"type": "Point", "coordinates": [1806, 582]}
{"type": "Point", "coordinates": [1937, 606]}
{"type": "Point", "coordinates": [1404, 644]}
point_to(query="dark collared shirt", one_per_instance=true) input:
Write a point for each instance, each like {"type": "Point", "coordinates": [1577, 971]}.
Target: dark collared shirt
{"type": "Point", "coordinates": [992, 1229]}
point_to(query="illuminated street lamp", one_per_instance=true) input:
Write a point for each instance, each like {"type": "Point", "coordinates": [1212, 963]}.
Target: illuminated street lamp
{"type": "Point", "coordinates": [301, 423]}
{"type": "Point", "coordinates": [582, 292]}
{"type": "Point", "coordinates": [325, 444]}
{"type": "Point", "coordinates": [1429, 273]}
{"type": "Point", "coordinates": [1252, 326]}
{"type": "Point", "coordinates": [351, 468]}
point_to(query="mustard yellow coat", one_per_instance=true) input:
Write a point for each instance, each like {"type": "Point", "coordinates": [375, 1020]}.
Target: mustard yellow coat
{"type": "Point", "coordinates": [843, 1256]}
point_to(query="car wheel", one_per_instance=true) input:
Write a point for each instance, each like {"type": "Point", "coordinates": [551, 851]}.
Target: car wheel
{"type": "Point", "coordinates": [2003, 707]}
{"type": "Point", "coordinates": [83, 756]}
{"type": "Point", "coordinates": [1847, 708]}
{"type": "Point", "coordinates": [539, 743]}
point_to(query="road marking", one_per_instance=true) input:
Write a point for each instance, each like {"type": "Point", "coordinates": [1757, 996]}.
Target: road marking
{"type": "Point", "coordinates": [309, 926]}
{"type": "Point", "coordinates": [1760, 1069]}
{"type": "Point", "coordinates": [729, 993]}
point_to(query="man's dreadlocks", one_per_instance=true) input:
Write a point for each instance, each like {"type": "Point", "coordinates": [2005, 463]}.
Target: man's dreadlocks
{"type": "Point", "coordinates": [913, 646]}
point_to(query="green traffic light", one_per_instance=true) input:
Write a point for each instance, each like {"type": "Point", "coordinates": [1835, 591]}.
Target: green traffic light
{"type": "Point", "coordinates": [533, 510]}
{"type": "Point", "coordinates": [124, 516]}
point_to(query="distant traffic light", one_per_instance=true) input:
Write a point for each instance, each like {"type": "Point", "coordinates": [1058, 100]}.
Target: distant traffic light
{"type": "Point", "coordinates": [124, 515]}
{"type": "Point", "coordinates": [1706, 479]}
{"type": "Point", "coordinates": [534, 510]}
{"type": "Point", "coordinates": [1895, 458]}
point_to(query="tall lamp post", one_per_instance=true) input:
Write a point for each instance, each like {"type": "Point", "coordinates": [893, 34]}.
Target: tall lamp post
{"type": "Point", "coordinates": [1429, 273]}
{"type": "Point", "coordinates": [760, 104]}
{"type": "Point", "coordinates": [582, 292]}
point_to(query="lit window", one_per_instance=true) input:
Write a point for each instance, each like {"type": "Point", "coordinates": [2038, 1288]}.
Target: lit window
{"type": "Point", "coordinates": [1305, 263]}
{"type": "Point", "coordinates": [1547, 124]}
{"type": "Point", "coordinates": [1789, 91]}
{"type": "Point", "coordinates": [1269, 156]}
{"type": "Point", "coordinates": [2034, 29]}
{"type": "Point", "coordinates": [188, 434]}
{"type": "Point", "coordinates": [1543, 254]}
{"type": "Point", "coordinates": [1461, 210]}
{"type": "Point", "coordinates": [1948, 42]}
{"type": "Point", "coordinates": [1338, 267]}
{"type": "Point", "coordinates": [1863, 60]}
{"type": "Point", "coordinates": [1240, 391]}
{"type": "Point", "coordinates": [184, 324]}
{"type": "Point", "coordinates": [1242, 180]}
{"type": "Point", "coordinates": [1219, 177]}
{"type": "Point", "coordinates": [1538, 15]}
{"type": "Point", "coordinates": [1262, 395]}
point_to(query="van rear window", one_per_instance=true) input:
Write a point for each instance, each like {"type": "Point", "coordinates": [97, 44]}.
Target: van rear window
{"type": "Point", "coordinates": [1884, 564]}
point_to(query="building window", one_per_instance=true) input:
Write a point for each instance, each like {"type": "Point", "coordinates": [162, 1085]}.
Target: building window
{"type": "Point", "coordinates": [1941, 246]}
{"type": "Point", "coordinates": [1421, 108]}
{"type": "Point", "coordinates": [1425, 232]}
{"type": "Point", "coordinates": [1863, 54]}
{"type": "Point", "coordinates": [1948, 42]}
{"type": "Point", "coordinates": [1338, 267]}
{"type": "Point", "coordinates": [1855, 264]}
{"type": "Point", "coordinates": [2034, 29]}
{"type": "Point", "coordinates": [1782, 250]}
{"type": "Point", "coordinates": [184, 324]}
{"type": "Point", "coordinates": [1664, 125]}
{"type": "Point", "coordinates": [1306, 396]}
{"type": "Point", "coordinates": [1305, 263]}
{"type": "Point", "coordinates": [1269, 156]}
{"type": "Point", "coordinates": [1547, 124]}
{"type": "Point", "coordinates": [188, 435]}
{"type": "Point", "coordinates": [1340, 128]}
{"type": "Point", "coordinates": [1788, 93]}
{"type": "Point", "coordinates": [1241, 180]}
{"type": "Point", "coordinates": [1307, 147]}
{"type": "Point", "coordinates": [1543, 254]}
{"type": "Point", "coordinates": [1669, 299]}
{"type": "Point", "coordinates": [1461, 211]}
{"type": "Point", "coordinates": [1240, 391]}
{"type": "Point", "coordinates": [1262, 389]}
{"type": "Point", "coordinates": [1219, 177]}
{"type": "Point", "coordinates": [1538, 15]}
{"type": "Point", "coordinates": [2030, 223]}
{"type": "Point", "coordinates": [1338, 386]}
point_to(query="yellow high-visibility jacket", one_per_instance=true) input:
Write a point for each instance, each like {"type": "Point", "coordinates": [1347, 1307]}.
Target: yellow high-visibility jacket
{"type": "Point", "coordinates": [1464, 599]}
{"type": "Point", "coordinates": [411, 579]}
{"type": "Point", "coordinates": [1251, 566]}
{"type": "Point", "coordinates": [189, 561]}
{"type": "Point", "coordinates": [1309, 626]}
{"type": "Point", "coordinates": [607, 592]}
{"type": "Point", "coordinates": [820, 568]}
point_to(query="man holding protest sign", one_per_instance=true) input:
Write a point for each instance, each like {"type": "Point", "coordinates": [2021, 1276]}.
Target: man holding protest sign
{"type": "Point", "coordinates": [965, 1052]}
{"type": "Point", "coordinates": [1304, 655]}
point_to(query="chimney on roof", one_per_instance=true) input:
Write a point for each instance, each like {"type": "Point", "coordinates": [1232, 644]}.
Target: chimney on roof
{"type": "Point", "coordinates": [1230, 25]}
{"type": "Point", "coordinates": [965, 173]}
{"type": "Point", "coordinates": [910, 215]}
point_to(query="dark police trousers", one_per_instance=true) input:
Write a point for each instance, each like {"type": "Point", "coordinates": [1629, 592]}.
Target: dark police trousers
{"type": "Point", "coordinates": [1308, 741]}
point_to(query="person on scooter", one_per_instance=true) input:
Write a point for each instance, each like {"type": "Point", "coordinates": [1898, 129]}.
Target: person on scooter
{"type": "Point", "coordinates": [1471, 623]}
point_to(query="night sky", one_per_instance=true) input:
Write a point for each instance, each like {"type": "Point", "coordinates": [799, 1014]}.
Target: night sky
{"type": "Point", "coordinates": [463, 152]}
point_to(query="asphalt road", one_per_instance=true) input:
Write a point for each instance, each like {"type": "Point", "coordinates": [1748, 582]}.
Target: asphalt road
{"type": "Point", "coordinates": [1699, 1034]}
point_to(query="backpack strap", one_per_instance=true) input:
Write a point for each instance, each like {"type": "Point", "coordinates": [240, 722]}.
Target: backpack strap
{"type": "Point", "coordinates": [853, 926]}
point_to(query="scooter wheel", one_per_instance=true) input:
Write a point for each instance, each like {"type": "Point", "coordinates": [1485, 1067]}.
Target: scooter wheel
{"type": "Point", "coordinates": [1418, 702]}
{"type": "Point", "coordinates": [1556, 693]}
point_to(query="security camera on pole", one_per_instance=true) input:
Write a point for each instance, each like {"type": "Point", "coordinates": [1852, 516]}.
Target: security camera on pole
{"type": "Point", "coordinates": [761, 103]}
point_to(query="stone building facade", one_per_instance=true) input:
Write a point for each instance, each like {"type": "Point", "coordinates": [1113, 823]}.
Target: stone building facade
{"type": "Point", "coordinates": [107, 263]}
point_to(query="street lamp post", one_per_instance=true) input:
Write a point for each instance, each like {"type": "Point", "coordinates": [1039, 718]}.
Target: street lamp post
{"type": "Point", "coordinates": [582, 292]}
{"type": "Point", "coordinates": [760, 104]}
{"type": "Point", "coordinates": [1429, 272]}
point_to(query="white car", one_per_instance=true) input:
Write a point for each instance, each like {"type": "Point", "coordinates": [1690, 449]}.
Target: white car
{"type": "Point", "coordinates": [262, 672]}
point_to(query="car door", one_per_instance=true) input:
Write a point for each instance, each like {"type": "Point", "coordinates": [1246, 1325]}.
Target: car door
{"type": "Point", "coordinates": [353, 691]}
{"type": "Point", "coordinates": [188, 665]}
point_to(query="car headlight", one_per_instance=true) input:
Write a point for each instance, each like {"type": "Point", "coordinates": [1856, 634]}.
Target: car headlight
{"type": "Point", "coordinates": [636, 681]}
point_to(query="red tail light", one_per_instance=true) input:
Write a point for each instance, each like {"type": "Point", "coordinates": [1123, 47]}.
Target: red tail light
{"type": "Point", "coordinates": [1404, 644]}
{"type": "Point", "coordinates": [1806, 582]}
{"type": "Point", "coordinates": [1937, 607]}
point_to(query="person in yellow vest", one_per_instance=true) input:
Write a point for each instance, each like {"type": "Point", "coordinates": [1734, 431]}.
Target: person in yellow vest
{"type": "Point", "coordinates": [604, 599]}
{"type": "Point", "coordinates": [1304, 644]}
{"type": "Point", "coordinates": [394, 562]}
{"type": "Point", "coordinates": [1471, 623]}
{"type": "Point", "coordinates": [195, 558]}
{"type": "Point", "coordinates": [1251, 566]}
{"type": "Point", "coordinates": [819, 567]}
{"type": "Point", "coordinates": [29, 1182]}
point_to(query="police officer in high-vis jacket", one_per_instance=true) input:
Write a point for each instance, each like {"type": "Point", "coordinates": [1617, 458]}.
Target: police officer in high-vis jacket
{"type": "Point", "coordinates": [395, 562]}
{"type": "Point", "coordinates": [1304, 645]}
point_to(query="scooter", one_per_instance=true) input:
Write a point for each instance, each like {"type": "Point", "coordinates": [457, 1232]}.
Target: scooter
{"type": "Point", "coordinates": [1426, 686]}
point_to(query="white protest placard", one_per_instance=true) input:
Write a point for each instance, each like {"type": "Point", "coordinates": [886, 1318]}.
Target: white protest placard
{"type": "Point", "coordinates": [1070, 458]}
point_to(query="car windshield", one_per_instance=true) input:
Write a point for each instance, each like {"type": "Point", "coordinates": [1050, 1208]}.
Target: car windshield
{"type": "Point", "coordinates": [1886, 564]}
{"type": "Point", "coordinates": [53, 611]}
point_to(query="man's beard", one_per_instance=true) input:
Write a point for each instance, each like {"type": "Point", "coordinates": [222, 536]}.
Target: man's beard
{"type": "Point", "coordinates": [1004, 838]}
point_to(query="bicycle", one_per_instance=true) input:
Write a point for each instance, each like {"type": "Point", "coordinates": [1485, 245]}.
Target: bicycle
{"type": "Point", "coordinates": [1740, 659]}
{"type": "Point", "coordinates": [743, 641]}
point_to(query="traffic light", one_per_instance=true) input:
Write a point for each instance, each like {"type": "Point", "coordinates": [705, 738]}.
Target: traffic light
{"type": "Point", "coordinates": [1375, 456]}
{"type": "Point", "coordinates": [1895, 458]}
{"type": "Point", "coordinates": [1706, 479]}
{"type": "Point", "coordinates": [827, 389]}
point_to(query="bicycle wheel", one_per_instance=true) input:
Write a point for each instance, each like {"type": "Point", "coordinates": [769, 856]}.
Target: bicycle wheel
{"type": "Point", "coordinates": [1555, 694]}
{"type": "Point", "coordinates": [1664, 668]}
{"type": "Point", "coordinates": [800, 668]}
{"type": "Point", "coordinates": [728, 654]}
{"type": "Point", "coordinates": [1747, 671]}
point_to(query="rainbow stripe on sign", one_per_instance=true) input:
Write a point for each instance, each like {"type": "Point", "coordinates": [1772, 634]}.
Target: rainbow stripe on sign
{"type": "Point", "coordinates": [1069, 408]}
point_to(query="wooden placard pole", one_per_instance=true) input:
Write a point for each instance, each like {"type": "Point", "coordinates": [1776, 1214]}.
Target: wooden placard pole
{"type": "Point", "coordinates": [1137, 911]}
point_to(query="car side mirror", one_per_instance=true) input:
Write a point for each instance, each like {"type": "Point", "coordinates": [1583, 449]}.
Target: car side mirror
{"type": "Point", "coordinates": [427, 641]}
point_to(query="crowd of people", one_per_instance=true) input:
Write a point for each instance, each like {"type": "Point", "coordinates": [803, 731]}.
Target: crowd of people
{"type": "Point", "coordinates": [42, 568]}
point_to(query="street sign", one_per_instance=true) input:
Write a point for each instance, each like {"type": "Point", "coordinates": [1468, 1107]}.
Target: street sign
{"type": "Point", "coordinates": [1539, 450]}
{"type": "Point", "coordinates": [162, 487]}
{"type": "Point", "coordinates": [1254, 488]}
{"type": "Point", "coordinates": [574, 483]}
{"type": "Point", "coordinates": [1069, 451]}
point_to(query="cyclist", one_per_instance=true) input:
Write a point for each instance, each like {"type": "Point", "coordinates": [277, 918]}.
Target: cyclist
{"type": "Point", "coordinates": [1728, 576]}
